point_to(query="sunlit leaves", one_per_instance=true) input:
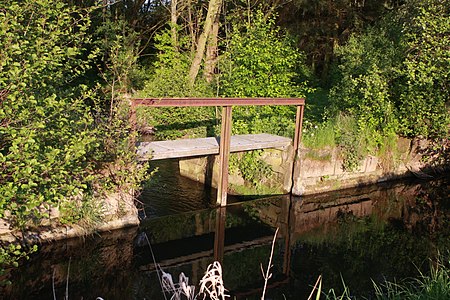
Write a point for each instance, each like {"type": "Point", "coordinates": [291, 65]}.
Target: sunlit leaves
{"type": "Point", "coordinates": [394, 77]}
{"type": "Point", "coordinates": [47, 133]}
{"type": "Point", "coordinates": [260, 61]}
{"type": "Point", "coordinates": [426, 69]}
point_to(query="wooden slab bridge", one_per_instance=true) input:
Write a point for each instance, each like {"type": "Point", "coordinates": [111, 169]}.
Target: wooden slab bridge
{"type": "Point", "coordinates": [222, 145]}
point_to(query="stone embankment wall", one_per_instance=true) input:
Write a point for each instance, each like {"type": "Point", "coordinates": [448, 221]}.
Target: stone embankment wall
{"type": "Point", "coordinates": [317, 171]}
{"type": "Point", "coordinates": [321, 170]}
{"type": "Point", "coordinates": [115, 211]}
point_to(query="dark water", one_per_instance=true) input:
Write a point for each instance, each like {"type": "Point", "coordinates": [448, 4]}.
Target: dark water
{"type": "Point", "coordinates": [379, 232]}
{"type": "Point", "coordinates": [169, 193]}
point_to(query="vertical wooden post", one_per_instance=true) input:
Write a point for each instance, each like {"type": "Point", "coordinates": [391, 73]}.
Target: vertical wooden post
{"type": "Point", "coordinates": [297, 140]}
{"type": "Point", "coordinates": [224, 155]}
{"type": "Point", "coordinates": [298, 128]}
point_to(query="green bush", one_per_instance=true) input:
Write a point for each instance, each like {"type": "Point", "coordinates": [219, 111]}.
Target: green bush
{"type": "Point", "coordinates": [47, 134]}
{"type": "Point", "coordinates": [55, 149]}
{"type": "Point", "coordinates": [394, 77]}
{"type": "Point", "coordinates": [424, 94]}
{"type": "Point", "coordinates": [365, 71]}
{"type": "Point", "coordinates": [259, 61]}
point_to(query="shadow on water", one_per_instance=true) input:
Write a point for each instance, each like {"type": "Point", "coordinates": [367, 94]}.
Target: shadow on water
{"type": "Point", "coordinates": [382, 231]}
{"type": "Point", "coordinates": [161, 195]}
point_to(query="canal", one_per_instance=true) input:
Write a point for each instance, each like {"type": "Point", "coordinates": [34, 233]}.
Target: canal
{"type": "Point", "coordinates": [388, 231]}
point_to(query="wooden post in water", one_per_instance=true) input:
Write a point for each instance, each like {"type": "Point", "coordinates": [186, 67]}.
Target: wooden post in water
{"type": "Point", "coordinates": [219, 234]}
{"type": "Point", "coordinates": [224, 155]}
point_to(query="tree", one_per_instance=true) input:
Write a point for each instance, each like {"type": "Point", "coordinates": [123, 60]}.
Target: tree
{"type": "Point", "coordinates": [322, 25]}
{"type": "Point", "coordinates": [208, 35]}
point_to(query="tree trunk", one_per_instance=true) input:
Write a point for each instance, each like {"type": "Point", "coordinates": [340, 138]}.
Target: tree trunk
{"type": "Point", "coordinates": [211, 50]}
{"type": "Point", "coordinates": [173, 21]}
{"type": "Point", "coordinates": [213, 12]}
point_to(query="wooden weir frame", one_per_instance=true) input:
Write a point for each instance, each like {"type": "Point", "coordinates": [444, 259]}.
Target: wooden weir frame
{"type": "Point", "coordinates": [227, 104]}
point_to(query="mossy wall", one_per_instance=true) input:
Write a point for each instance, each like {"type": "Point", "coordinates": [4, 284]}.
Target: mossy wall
{"type": "Point", "coordinates": [317, 171]}
{"type": "Point", "coordinates": [115, 211]}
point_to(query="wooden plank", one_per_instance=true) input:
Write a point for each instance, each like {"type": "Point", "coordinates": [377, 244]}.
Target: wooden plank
{"type": "Point", "coordinates": [207, 146]}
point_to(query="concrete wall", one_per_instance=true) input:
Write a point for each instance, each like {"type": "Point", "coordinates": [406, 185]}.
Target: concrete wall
{"type": "Point", "coordinates": [321, 170]}
{"type": "Point", "coordinates": [117, 211]}
{"type": "Point", "coordinates": [316, 171]}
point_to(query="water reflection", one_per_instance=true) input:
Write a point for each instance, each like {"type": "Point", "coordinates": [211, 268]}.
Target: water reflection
{"type": "Point", "coordinates": [360, 234]}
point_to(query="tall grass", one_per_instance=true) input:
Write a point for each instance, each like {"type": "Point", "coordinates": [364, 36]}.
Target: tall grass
{"type": "Point", "coordinates": [434, 286]}
{"type": "Point", "coordinates": [319, 136]}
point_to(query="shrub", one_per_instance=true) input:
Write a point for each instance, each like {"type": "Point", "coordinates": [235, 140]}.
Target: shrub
{"type": "Point", "coordinates": [394, 77]}
{"type": "Point", "coordinates": [260, 62]}
{"type": "Point", "coordinates": [53, 152]}
{"type": "Point", "coordinates": [47, 132]}
{"type": "Point", "coordinates": [425, 92]}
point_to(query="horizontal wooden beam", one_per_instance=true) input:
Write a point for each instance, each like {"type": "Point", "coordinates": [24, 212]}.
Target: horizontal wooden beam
{"type": "Point", "coordinates": [189, 102]}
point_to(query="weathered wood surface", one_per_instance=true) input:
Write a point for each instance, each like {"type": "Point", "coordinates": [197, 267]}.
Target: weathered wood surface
{"type": "Point", "coordinates": [207, 146]}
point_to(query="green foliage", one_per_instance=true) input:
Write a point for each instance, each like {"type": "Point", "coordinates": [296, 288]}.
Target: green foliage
{"type": "Point", "coordinates": [47, 133]}
{"type": "Point", "coordinates": [352, 144]}
{"type": "Point", "coordinates": [252, 168]}
{"type": "Point", "coordinates": [170, 70]}
{"type": "Point", "coordinates": [426, 70]}
{"type": "Point", "coordinates": [118, 48]}
{"type": "Point", "coordinates": [169, 78]}
{"type": "Point", "coordinates": [55, 149]}
{"type": "Point", "coordinates": [394, 76]}
{"type": "Point", "coordinates": [260, 62]}
{"type": "Point", "coordinates": [364, 78]}
{"type": "Point", "coordinates": [10, 254]}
